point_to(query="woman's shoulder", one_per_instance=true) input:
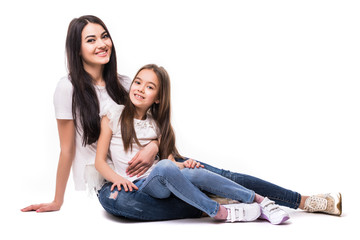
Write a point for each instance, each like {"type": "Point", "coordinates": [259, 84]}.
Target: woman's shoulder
{"type": "Point", "coordinates": [64, 85]}
{"type": "Point", "coordinates": [62, 99]}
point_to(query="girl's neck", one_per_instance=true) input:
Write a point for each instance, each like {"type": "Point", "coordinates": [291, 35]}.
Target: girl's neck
{"type": "Point", "coordinates": [140, 114]}
{"type": "Point", "coordinates": [96, 72]}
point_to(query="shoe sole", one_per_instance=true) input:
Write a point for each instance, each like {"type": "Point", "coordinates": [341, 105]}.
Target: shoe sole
{"type": "Point", "coordinates": [284, 219]}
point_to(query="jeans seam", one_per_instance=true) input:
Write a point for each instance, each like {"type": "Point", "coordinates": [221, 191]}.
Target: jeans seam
{"type": "Point", "coordinates": [213, 213]}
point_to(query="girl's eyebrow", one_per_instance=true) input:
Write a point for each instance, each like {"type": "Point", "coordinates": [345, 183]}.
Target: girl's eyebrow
{"type": "Point", "coordinates": [89, 36]}
{"type": "Point", "coordinates": [149, 82]}
{"type": "Point", "coordinates": [153, 84]}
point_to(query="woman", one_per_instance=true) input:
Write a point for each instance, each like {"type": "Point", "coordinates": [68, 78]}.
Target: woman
{"type": "Point", "coordinates": [79, 98]}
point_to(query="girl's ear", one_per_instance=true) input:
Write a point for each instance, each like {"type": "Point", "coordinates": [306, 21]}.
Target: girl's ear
{"type": "Point", "coordinates": [157, 101]}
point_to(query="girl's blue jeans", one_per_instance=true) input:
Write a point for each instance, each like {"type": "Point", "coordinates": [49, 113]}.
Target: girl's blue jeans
{"type": "Point", "coordinates": [168, 193]}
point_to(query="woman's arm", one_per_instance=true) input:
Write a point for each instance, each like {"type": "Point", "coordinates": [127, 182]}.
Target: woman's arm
{"type": "Point", "coordinates": [143, 160]}
{"type": "Point", "coordinates": [101, 155]}
{"type": "Point", "coordinates": [66, 130]}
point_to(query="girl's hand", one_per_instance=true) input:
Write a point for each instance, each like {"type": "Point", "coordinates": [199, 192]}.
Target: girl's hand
{"type": "Point", "coordinates": [43, 207]}
{"type": "Point", "coordinates": [190, 163]}
{"type": "Point", "coordinates": [127, 185]}
{"type": "Point", "coordinates": [180, 165]}
{"type": "Point", "coordinates": [143, 160]}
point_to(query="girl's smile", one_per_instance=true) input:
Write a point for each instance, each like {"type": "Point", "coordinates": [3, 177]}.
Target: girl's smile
{"type": "Point", "coordinates": [144, 91]}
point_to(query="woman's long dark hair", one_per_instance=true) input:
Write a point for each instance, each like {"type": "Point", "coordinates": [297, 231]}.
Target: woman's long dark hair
{"type": "Point", "coordinates": [161, 113]}
{"type": "Point", "coordinates": [85, 104]}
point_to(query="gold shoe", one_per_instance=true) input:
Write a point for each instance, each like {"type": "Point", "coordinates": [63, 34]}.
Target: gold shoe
{"type": "Point", "coordinates": [222, 200]}
{"type": "Point", "coordinates": [330, 203]}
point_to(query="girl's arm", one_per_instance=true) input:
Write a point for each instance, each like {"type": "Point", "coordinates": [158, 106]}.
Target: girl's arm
{"type": "Point", "coordinates": [101, 155]}
{"type": "Point", "coordinates": [66, 130]}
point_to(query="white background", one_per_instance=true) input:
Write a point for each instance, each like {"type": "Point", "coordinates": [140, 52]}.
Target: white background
{"type": "Point", "coordinates": [267, 88]}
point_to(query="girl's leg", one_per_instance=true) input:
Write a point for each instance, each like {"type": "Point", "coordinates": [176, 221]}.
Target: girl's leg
{"type": "Point", "coordinates": [218, 185]}
{"type": "Point", "coordinates": [276, 193]}
{"type": "Point", "coordinates": [221, 186]}
{"type": "Point", "coordinates": [166, 178]}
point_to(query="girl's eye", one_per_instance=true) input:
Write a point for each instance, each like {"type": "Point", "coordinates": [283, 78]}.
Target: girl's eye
{"type": "Point", "coordinates": [150, 87]}
{"type": "Point", "coordinates": [90, 40]}
{"type": "Point", "coordinates": [136, 82]}
{"type": "Point", "coordinates": [105, 36]}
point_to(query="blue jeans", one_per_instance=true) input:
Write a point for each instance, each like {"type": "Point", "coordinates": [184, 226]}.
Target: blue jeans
{"type": "Point", "coordinates": [166, 179]}
{"type": "Point", "coordinates": [141, 206]}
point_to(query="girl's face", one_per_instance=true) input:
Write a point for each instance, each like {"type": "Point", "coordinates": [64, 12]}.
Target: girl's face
{"type": "Point", "coordinates": [144, 90]}
{"type": "Point", "coordinates": [96, 45]}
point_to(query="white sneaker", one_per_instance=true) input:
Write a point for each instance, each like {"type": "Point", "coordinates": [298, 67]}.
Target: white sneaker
{"type": "Point", "coordinates": [242, 212]}
{"type": "Point", "coordinates": [272, 212]}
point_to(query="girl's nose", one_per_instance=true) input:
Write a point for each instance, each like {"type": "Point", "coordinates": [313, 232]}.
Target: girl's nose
{"type": "Point", "coordinates": [141, 88]}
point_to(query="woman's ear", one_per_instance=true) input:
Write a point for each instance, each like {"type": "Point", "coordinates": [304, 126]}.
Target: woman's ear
{"type": "Point", "coordinates": [157, 101]}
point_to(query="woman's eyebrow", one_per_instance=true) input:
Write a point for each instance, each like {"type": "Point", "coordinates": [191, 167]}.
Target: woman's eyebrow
{"type": "Point", "coordinates": [89, 36]}
{"type": "Point", "coordinates": [105, 32]}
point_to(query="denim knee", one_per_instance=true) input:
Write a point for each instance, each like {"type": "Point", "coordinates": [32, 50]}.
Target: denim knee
{"type": "Point", "coordinates": [165, 166]}
{"type": "Point", "coordinates": [196, 176]}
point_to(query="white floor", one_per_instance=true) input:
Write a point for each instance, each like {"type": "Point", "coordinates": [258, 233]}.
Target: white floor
{"type": "Point", "coordinates": [83, 218]}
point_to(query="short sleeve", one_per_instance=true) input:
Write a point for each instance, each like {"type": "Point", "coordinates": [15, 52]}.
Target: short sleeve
{"type": "Point", "coordinates": [125, 81]}
{"type": "Point", "coordinates": [63, 99]}
{"type": "Point", "coordinates": [113, 112]}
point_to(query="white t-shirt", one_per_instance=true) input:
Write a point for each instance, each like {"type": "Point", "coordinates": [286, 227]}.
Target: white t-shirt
{"type": "Point", "coordinates": [146, 131]}
{"type": "Point", "coordinates": [63, 110]}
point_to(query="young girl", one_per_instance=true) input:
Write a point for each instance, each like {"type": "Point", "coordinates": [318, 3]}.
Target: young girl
{"type": "Point", "coordinates": [127, 129]}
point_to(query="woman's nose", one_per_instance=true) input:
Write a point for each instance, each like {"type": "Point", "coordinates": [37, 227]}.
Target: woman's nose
{"type": "Point", "coordinates": [101, 44]}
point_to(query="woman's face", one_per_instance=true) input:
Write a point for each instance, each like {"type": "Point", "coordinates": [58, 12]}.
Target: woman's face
{"type": "Point", "coordinates": [96, 45]}
{"type": "Point", "coordinates": [144, 90]}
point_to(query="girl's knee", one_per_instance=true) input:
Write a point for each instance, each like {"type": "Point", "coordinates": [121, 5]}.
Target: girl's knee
{"type": "Point", "coordinates": [166, 164]}
{"type": "Point", "coordinates": [194, 174]}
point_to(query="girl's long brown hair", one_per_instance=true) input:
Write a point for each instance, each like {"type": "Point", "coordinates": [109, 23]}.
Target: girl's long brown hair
{"type": "Point", "coordinates": [161, 113]}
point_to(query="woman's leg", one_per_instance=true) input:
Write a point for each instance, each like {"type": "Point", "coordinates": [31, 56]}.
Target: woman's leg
{"type": "Point", "coordinates": [280, 195]}
{"type": "Point", "coordinates": [140, 206]}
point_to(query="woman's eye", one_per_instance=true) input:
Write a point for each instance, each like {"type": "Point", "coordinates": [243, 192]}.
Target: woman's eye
{"type": "Point", "coordinates": [90, 40]}
{"type": "Point", "coordinates": [106, 36]}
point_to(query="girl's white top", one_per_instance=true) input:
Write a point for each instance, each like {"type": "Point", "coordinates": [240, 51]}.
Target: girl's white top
{"type": "Point", "coordinates": [84, 155]}
{"type": "Point", "coordinates": [146, 131]}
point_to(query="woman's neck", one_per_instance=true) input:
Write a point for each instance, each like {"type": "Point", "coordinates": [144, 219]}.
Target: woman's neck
{"type": "Point", "coordinates": [96, 72]}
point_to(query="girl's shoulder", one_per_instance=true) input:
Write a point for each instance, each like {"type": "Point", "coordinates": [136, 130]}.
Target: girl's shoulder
{"type": "Point", "coordinates": [112, 111]}
{"type": "Point", "coordinates": [125, 81]}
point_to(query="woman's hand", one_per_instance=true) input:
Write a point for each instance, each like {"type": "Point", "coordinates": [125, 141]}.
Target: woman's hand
{"type": "Point", "coordinates": [43, 207]}
{"type": "Point", "coordinates": [127, 185]}
{"type": "Point", "coordinates": [143, 159]}
{"type": "Point", "coordinates": [190, 163]}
